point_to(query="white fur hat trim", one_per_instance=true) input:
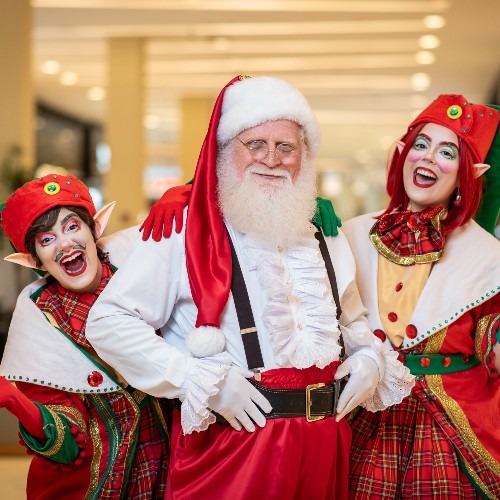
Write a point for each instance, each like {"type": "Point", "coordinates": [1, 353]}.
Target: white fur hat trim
{"type": "Point", "coordinates": [205, 341]}
{"type": "Point", "coordinates": [253, 101]}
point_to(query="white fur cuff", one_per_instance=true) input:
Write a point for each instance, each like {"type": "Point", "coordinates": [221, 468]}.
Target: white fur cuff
{"type": "Point", "coordinates": [205, 341]}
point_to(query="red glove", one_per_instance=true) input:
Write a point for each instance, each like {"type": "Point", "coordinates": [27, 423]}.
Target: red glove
{"type": "Point", "coordinates": [162, 213]}
{"type": "Point", "coordinates": [27, 412]}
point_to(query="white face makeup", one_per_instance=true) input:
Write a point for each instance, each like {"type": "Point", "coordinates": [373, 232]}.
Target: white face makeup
{"type": "Point", "coordinates": [68, 252]}
{"type": "Point", "coordinates": [430, 171]}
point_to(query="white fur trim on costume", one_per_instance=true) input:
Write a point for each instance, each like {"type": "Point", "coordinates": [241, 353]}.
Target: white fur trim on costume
{"type": "Point", "coordinates": [253, 101]}
{"type": "Point", "coordinates": [205, 341]}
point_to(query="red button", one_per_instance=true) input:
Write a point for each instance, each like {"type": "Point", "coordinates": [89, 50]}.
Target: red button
{"type": "Point", "coordinates": [411, 331]}
{"type": "Point", "coordinates": [380, 334]}
{"type": "Point", "coordinates": [95, 379]}
{"type": "Point", "coordinates": [446, 361]}
{"type": "Point", "coordinates": [425, 362]}
{"type": "Point", "coordinates": [392, 317]}
{"type": "Point", "coordinates": [399, 286]}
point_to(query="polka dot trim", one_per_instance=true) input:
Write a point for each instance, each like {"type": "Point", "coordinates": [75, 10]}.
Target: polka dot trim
{"type": "Point", "coordinates": [56, 386]}
{"type": "Point", "coordinates": [447, 321]}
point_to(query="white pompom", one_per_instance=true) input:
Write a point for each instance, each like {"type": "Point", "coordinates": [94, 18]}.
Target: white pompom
{"type": "Point", "coordinates": [205, 341]}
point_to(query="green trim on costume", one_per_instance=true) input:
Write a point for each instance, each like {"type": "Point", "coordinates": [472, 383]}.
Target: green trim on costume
{"type": "Point", "coordinates": [107, 416]}
{"type": "Point", "coordinates": [457, 363]}
{"type": "Point", "coordinates": [50, 280]}
{"type": "Point", "coordinates": [60, 446]}
{"type": "Point", "coordinates": [465, 470]}
{"type": "Point", "coordinates": [485, 296]}
{"type": "Point", "coordinates": [101, 367]}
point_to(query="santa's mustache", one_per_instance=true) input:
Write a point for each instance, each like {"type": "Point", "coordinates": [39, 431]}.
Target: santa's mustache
{"type": "Point", "coordinates": [271, 172]}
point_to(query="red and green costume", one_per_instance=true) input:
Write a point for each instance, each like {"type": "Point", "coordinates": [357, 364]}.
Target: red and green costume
{"type": "Point", "coordinates": [104, 439]}
{"type": "Point", "coordinates": [443, 441]}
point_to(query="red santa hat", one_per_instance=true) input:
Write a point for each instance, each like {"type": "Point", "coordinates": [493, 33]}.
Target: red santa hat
{"type": "Point", "coordinates": [475, 124]}
{"type": "Point", "coordinates": [242, 104]}
{"type": "Point", "coordinates": [38, 196]}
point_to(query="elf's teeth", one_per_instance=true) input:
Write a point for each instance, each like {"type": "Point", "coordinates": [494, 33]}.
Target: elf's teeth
{"type": "Point", "coordinates": [426, 174]}
{"type": "Point", "coordinates": [73, 257]}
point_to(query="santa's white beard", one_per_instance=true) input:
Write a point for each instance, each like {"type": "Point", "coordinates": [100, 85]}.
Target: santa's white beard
{"type": "Point", "coordinates": [278, 212]}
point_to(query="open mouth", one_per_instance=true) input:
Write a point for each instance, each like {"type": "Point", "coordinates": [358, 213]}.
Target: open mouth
{"type": "Point", "coordinates": [74, 264]}
{"type": "Point", "coordinates": [424, 178]}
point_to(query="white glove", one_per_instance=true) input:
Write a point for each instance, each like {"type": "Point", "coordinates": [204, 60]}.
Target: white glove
{"type": "Point", "coordinates": [237, 401]}
{"type": "Point", "coordinates": [364, 377]}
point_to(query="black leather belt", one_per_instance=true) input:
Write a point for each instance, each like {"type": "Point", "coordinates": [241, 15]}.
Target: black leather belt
{"type": "Point", "coordinates": [315, 402]}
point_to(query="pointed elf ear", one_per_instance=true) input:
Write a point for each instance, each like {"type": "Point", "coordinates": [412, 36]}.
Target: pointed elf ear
{"type": "Point", "coordinates": [480, 169]}
{"type": "Point", "coordinates": [101, 218]}
{"type": "Point", "coordinates": [23, 259]}
{"type": "Point", "coordinates": [400, 145]}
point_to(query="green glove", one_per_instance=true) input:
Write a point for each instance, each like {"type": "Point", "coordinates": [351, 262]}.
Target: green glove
{"type": "Point", "coordinates": [326, 218]}
{"type": "Point", "coordinates": [487, 214]}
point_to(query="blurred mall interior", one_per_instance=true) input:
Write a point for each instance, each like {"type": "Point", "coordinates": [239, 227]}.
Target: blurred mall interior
{"type": "Point", "coordinates": [119, 93]}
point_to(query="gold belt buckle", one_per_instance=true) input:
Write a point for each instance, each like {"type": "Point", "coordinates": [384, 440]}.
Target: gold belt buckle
{"type": "Point", "coordinates": [310, 388]}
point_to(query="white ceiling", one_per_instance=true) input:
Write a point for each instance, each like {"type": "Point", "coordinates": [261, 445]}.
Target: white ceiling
{"type": "Point", "coordinates": [356, 61]}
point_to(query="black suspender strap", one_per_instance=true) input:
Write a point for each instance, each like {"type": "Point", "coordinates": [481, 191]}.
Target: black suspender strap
{"type": "Point", "coordinates": [333, 280]}
{"type": "Point", "coordinates": [244, 309]}
{"type": "Point", "coordinates": [245, 315]}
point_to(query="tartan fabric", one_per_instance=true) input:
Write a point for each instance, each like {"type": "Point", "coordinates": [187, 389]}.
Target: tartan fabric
{"type": "Point", "coordinates": [407, 451]}
{"type": "Point", "coordinates": [148, 471]}
{"type": "Point", "coordinates": [148, 475]}
{"type": "Point", "coordinates": [70, 309]}
{"type": "Point", "coordinates": [408, 233]}
{"type": "Point", "coordinates": [138, 469]}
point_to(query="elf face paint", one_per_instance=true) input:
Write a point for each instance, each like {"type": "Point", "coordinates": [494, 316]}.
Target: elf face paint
{"type": "Point", "coordinates": [430, 171]}
{"type": "Point", "coordinates": [68, 252]}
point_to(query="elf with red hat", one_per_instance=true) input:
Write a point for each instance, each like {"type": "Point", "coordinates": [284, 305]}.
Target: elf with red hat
{"type": "Point", "coordinates": [430, 278]}
{"type": "Point", "coordinates": [92, 435]}
{"type": "Point", "coordinates": [252, 303]}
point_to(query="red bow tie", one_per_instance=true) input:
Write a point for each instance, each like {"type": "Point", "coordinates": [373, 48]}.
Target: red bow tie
{"type": "Point", "coordinates": [408, 237]}
{"type": "Point", "coordinates": [413, 220]}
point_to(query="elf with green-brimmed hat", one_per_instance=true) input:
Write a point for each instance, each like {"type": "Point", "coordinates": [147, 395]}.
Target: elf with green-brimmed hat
{"type": "Point", "coordinates": [430, 278]}
{"type": "Point", "coordinates": [91, 435]}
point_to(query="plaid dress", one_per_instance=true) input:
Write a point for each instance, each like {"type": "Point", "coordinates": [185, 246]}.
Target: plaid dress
{"type": "Point", "coordinates": [443, 441]}
{"type": "Point", "coordinates": [105, 446]}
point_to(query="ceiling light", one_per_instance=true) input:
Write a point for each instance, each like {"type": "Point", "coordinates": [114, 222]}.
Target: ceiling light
{"type": "Point", "coordinates": [151, 122]}
{"type": "Point", "coordinates": [68, 78]}
{"type": "Point", "coordinates": [425, 57]}
{"type": "Point", "coordinates": [50, 67]}
{"type": "Point", "coordinates": [434, 22]}
{"type": "Point", "coordinates": [420, 81]}
{"type": "Point", "coordinates": [331, 184]}
{"type": "Point", "coordinates": [96, 93]}
{"type": "Point", "coordinates": [220, 43]}
{"type": "Point", "coordinates": [429, 42]}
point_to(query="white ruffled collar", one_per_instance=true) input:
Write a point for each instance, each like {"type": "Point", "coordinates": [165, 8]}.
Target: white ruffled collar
{"type": "Point", "coordinates": [300, 312]}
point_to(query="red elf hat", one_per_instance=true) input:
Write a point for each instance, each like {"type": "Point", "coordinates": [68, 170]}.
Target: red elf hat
{"type": "Point", "coordinates": [242, 104]}
{"type": "Point", "coordinates": [476, 124]}
{"type": "Point", "coordinates": [38, 196]}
